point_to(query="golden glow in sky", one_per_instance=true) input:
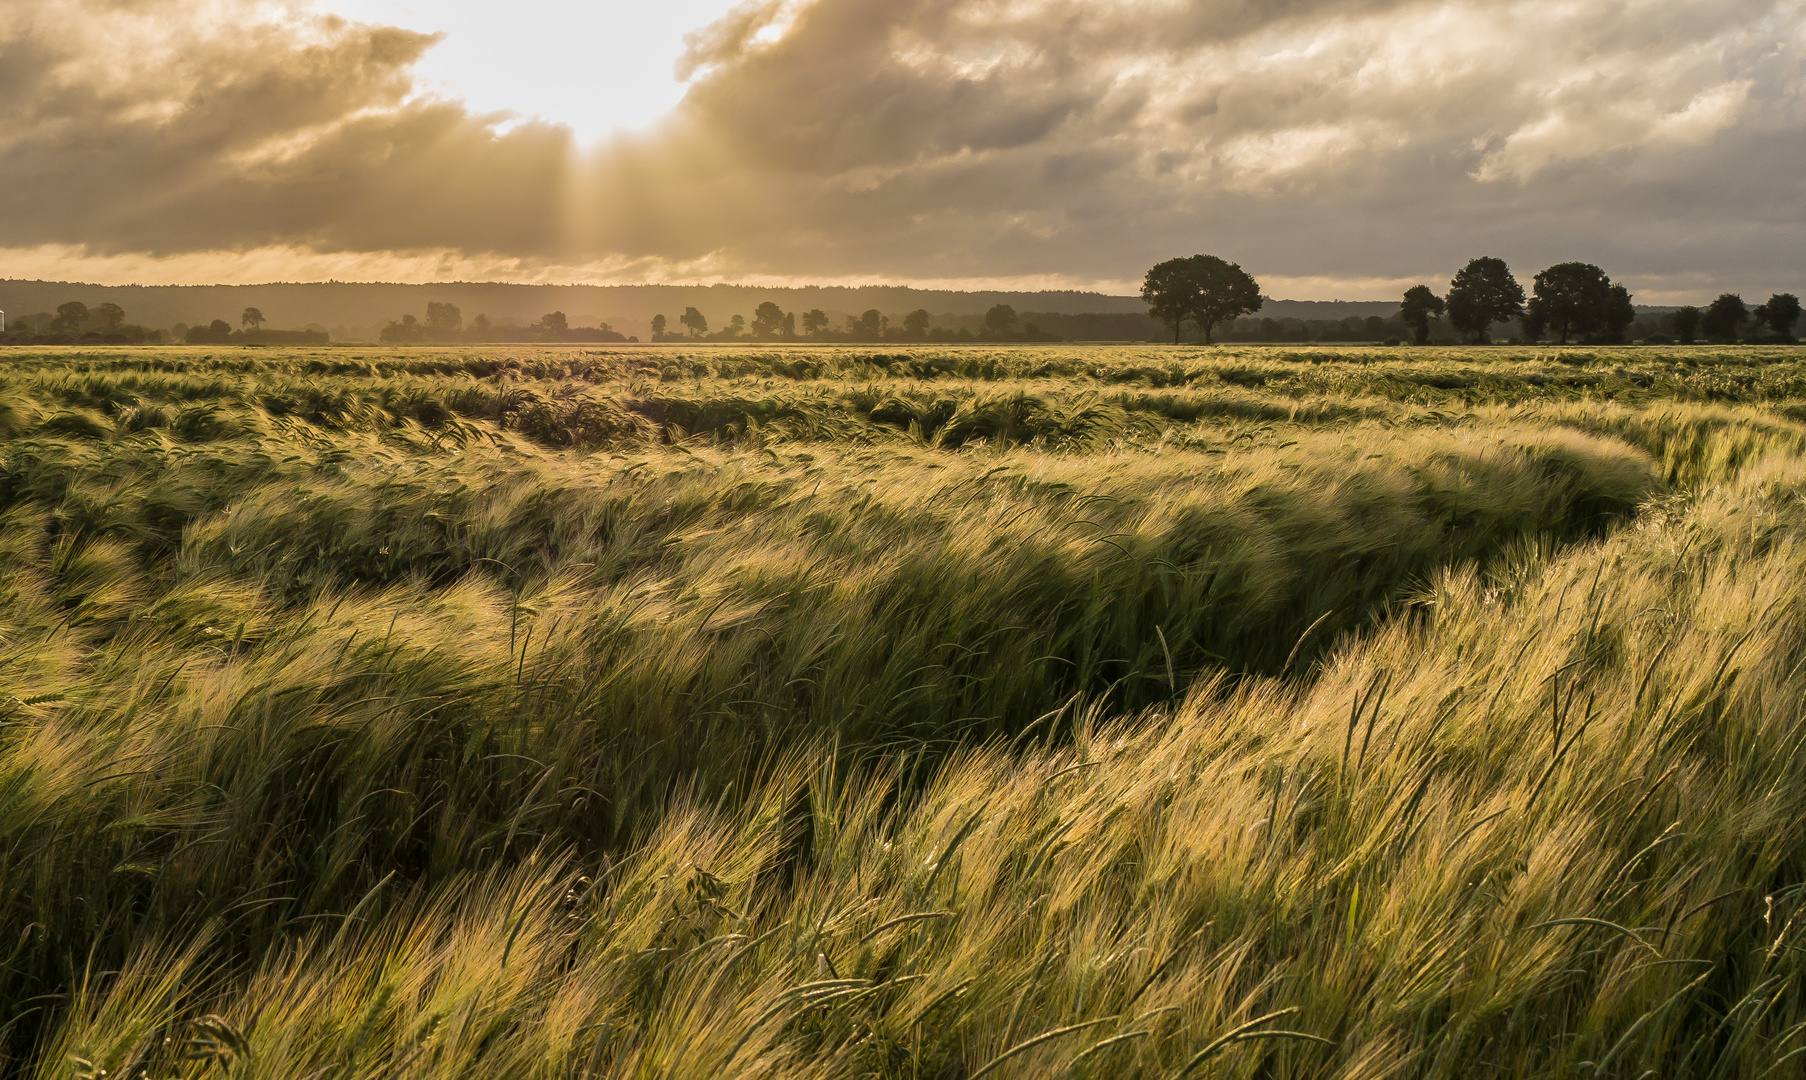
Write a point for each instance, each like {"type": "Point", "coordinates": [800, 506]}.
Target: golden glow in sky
{"type": "Point", "coordinates": [596, 66]}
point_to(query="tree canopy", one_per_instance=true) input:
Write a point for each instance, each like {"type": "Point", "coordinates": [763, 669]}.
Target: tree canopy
{"type": "Point", "coordinates": [1577, 298]}
{"type": "Point", "coordinates": [1686, 324]}
{"type": "Point", "coordinates": [108, 317]}
{"type": "Point", "coordinates": [769, 320]}
{"type": "Point", "coordinates": [1421, 304]}
{"type": "Point", "coordinates": [1001, 319]}
{"type": "Point", "coordinates": [1483, 293]}
{"type": "Point", "coordinates": [70, 317]}
{"type": "Point", "coordinates": [1779, 314]}
{"type": "Point", "coordinates": [1724, 317]}
{"type": "Point", "coordinates": [1202, 288]}
{"type": "Point", "coordinates": [444, 316]}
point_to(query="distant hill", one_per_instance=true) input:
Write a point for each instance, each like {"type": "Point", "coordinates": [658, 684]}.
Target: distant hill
{"type": "Point", "coordinates": [359, 310]}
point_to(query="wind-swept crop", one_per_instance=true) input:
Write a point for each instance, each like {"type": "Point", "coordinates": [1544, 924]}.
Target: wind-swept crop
{"type": "Point", "coordinates": [819, 713]}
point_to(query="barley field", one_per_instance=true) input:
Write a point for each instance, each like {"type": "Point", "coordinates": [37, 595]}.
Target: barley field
{"type": "Point", "coordinates": [944, 714]}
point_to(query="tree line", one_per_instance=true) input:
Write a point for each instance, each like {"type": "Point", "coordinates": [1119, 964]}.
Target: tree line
{"type": "Point", "coordinates": [1571, 300]}
{"type": "Point", "coordinates": [445, 324]}
{"type": "Point", "coordinates": [76, 322]}
{"type": "Point", "coordinates": [772, 323]}
{"type": "Point", "coordinates": [1568, 302]}
{"type": "Point", "coordinates": [1576, 300]}
{"type": "Point", "coordinates": [250, 331]}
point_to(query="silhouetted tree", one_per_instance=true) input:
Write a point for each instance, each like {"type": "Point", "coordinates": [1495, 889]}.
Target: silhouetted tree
{"type": "Point", "coordinates": [1724, 317]}
{"type": "Point", "coordinates": [1202, 288]}
{"type": "Point", "coordinates": [1167, 291]}
{"type": "Point", "coordinates": [1686, 324]}
{"type": "Point", "coordinates": [1577, 298]}
{"type": "Point", "coordinates": [1779, 314]}
{"type": "Point", "coordinates": [108, 317]}
{"type": "Point", "coordinates": [768, 320]}
{"type": "Point", "coordinates": [481, 323]}
{"type": "Point", "coordinates": [251, 318]}
{"type": "Point", "coordinates": [658, 327]}
{"type": "Point", "coordinates": [1483, 293]}
{"type": "Point", "coordinates": [1419, 306]}
{"type": "Point", "coordinates": [408, 329]}
{"type": "Point", "coordinates": [444, 317]}
{"type": "Point", "coordinates": [70, 317]}
{"type": "Point", "coordinates": [916, 322]}
{"type": "Point", "coordinates": [872, 323]}
{"type": "Point", "coordinates": [217, 332]}
{"type": "Point", "coordinates": [1001, 319]}
{"type": "Point", "coordinates": [815, 320]}
{"type": "Point", "coordinates": [554, 323]}
{"type": "Point", "coordinates": [695, 321]}
{"type": "Point", "coordinates": [1619, 314]}
{"type": "Point", "coordinates": [736, 326]}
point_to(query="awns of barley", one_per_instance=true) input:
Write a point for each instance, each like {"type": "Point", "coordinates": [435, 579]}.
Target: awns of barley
{"type": "Point", "coordinates": [1440, 720]}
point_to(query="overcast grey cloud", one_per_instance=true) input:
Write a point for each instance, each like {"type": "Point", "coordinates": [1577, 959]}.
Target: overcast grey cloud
{"type": "Point", "coordinates": [1359, 141]}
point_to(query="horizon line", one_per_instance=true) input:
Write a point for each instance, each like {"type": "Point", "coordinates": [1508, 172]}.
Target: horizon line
{"type": "Point", "coordinates": [635, 285]}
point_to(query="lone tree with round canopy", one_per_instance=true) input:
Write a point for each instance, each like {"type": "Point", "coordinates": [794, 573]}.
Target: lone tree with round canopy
{"type": "Point", "coordinates": [1577, 298]}
{"type": "Point", "coordinates": [1419, 306]}
{"type": "Point", "coordinates": [1202, 288]}
{"type": "Point", "coordinates": [252, 318]}
{"type": "Point", "coordinates": [1483, 293]}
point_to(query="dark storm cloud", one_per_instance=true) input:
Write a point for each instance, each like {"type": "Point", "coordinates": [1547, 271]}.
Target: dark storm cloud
{"type": "Point", "coordinates": [1353, 139]}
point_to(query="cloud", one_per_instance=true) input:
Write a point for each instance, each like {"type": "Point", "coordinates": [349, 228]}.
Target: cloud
{"type": "Point", "coordinates": [154, 126]}
{"type": "Point", "coordinates": [1358, 141]}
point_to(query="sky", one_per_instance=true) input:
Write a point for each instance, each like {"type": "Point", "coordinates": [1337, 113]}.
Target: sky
{"type": "Point", "coordinates": [1337, 149]}
{"type": "Point", "coordinates": [597, 67]}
